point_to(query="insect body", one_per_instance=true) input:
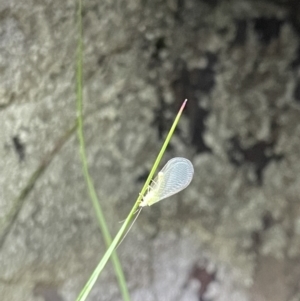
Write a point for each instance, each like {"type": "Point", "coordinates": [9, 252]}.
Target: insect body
{"type": "Point", "coordinates": [176, 175]}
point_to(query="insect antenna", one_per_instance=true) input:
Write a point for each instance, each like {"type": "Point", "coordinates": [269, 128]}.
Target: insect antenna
{"type": "Point", "coordinates": [138, 213]}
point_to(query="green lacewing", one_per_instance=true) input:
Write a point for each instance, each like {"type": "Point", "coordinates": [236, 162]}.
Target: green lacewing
{"type": "Point", "coordinates": [175, 176]}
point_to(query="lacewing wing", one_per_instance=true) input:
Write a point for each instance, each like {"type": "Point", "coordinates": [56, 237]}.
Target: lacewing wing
{"type": "Point", "coordinates": [175, 176]}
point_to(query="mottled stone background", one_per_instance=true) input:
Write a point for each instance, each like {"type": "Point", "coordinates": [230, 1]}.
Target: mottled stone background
{"type": "Point", "coordinates": [234, 234]}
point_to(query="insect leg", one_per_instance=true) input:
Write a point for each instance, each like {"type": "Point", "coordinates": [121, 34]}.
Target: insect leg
{"type": "Point", "coordinates": [139, 211]}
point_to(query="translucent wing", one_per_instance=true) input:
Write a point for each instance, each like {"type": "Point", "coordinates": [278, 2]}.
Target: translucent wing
{"type": "Point", "coordinates": [176, 175]}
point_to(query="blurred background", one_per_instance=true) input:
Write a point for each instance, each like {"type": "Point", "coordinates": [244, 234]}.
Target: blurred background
{"type": "Point", "coordinates": [234, 233]}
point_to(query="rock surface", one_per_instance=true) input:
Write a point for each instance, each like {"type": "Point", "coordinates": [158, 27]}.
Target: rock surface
{"type": "Point", "coordinates": [234, 233]}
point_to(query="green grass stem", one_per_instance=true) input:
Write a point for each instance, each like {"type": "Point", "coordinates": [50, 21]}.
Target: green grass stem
{"type": "Point", "coordinates": [91, 189]}
{"type": "Point", "coordinates": [90, 283]}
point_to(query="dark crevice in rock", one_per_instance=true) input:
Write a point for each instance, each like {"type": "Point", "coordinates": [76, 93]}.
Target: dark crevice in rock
{"type": "Point", "coordinates": [190, 84]}
{"type": "Point", "coordinates": [197, 126]}
{"type": "Point", "coordinates": [141, 178]}
{"type": "Point", "coordinates": [19, 147]}
{"type": "Point", "coordinates": [212, 59]}
{"type": "Point", "coordinates": [179, 11]}
{"type": "Point", "coordinates": [296, 62]}
{"type": "Point", "coordinates": [202, 79]}
{"type": "Point", "coordinates": [297, 92]}
{"type": "Point", "coordinates": [256, 236]}
{"type": "Point", "coordinates": [211, 3]}
{"type": "Point", "coordinates": [241, 33]}
{"type": "Point", "coordinates": [267, 29]}
{"type": "Point", "coordinates": [161, 123]}
{"type": "Point", "coordinates": [260, 154]}
{"type": "Point", "coordinates": [159, 46]}
{"type": "Point", "coordinates": [294, 14]}
{"type": "Point", "coordinates": [205, 277]}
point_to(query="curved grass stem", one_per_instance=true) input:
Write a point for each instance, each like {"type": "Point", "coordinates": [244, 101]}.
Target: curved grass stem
{"type": "Point", "coordinates": [91, 189]}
